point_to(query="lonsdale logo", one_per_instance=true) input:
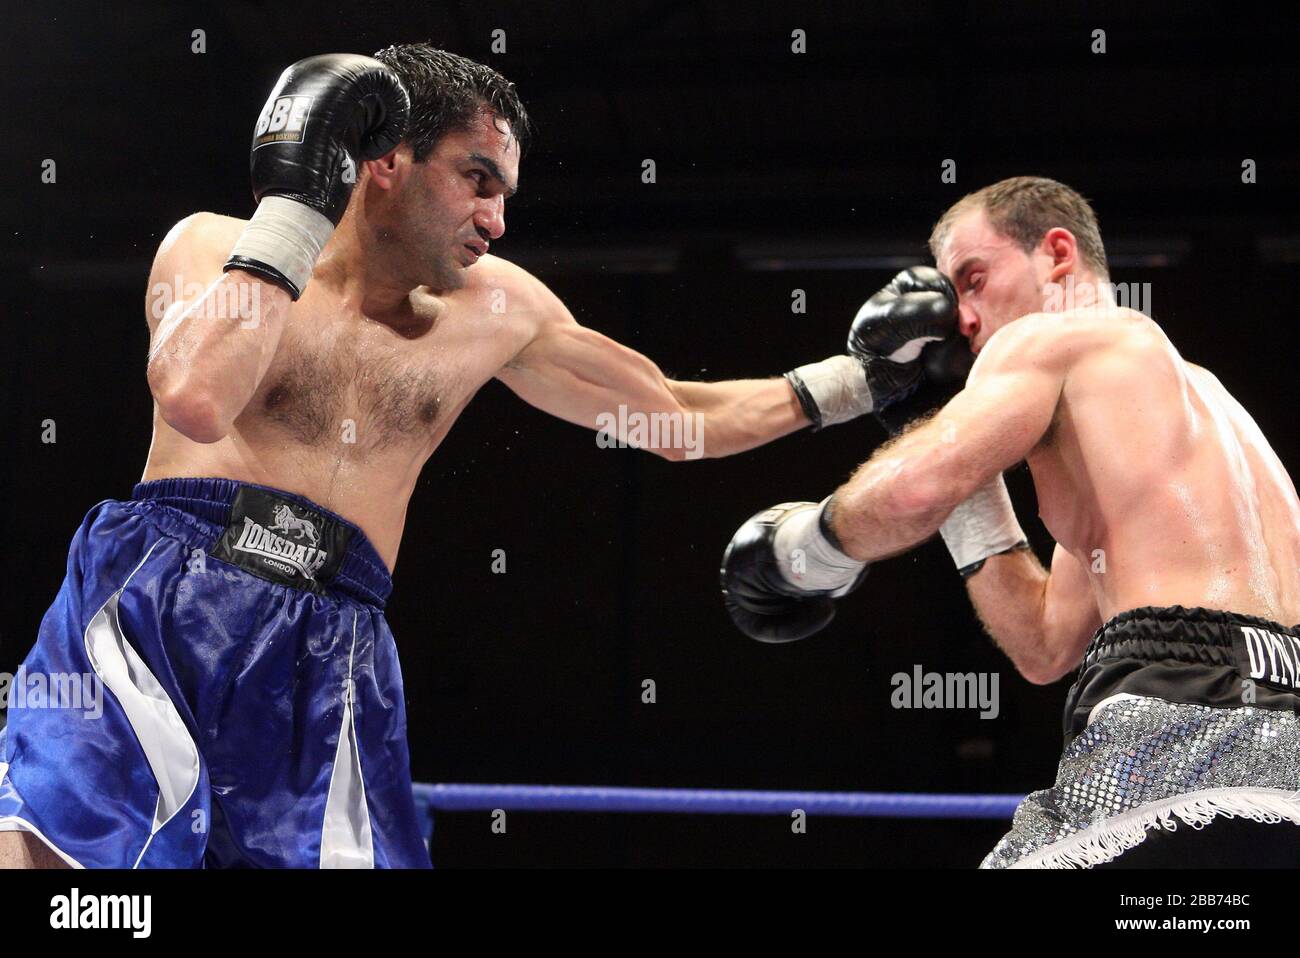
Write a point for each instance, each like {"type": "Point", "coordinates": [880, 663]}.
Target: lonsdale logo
{"type": "Point", "coordinates": [300, 553]}
{"type": "Point", "coordinates": [282, 541]}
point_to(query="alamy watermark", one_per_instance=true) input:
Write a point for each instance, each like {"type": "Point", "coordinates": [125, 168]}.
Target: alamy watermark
{"type": "Point", "coordinates": [654, 430]}
{"type": "Point", "coordinates": [946, 690]}
{"type": "Point", "coordinates": [241, 301]}
{"type": "Point", "coordinates": [1072, 295]}
{"type": "Point", "coordinates": [83, 692]}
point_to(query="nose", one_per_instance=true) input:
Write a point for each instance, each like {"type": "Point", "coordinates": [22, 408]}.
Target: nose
{"type": "Point", "coordinates": [967, 322]}
{"type": "Point", "coordinates": [491, 218]}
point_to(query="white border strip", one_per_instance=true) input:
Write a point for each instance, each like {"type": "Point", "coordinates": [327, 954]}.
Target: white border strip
{"type": "Point", "coordinates": [1107, 840]}
{"type": "Point", "coordinates": [169, 749]}
{"type": "Point", "coordinates": [346, 840]}
{"type": "Point", "coordinates": [12, 823]}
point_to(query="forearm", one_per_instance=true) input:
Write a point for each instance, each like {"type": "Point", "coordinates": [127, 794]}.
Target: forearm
{"type": "Point", "coordinates": [870, 521]}
{"type": "Point", "coordinates": [209, 356]}
{"type": "Point", "coordinates": [1009, 595]}
{"type": "Point", "coordinates": [883, 510]}
{"type": "Point", "coordinates": [740, 414]}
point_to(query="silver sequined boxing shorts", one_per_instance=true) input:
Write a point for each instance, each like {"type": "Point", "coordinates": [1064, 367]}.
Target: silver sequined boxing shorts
{"type": "Point", "coordinates": [1180, 718]}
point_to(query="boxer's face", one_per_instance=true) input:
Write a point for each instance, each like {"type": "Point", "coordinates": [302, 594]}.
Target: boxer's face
{"type": "Point", "coordinates": [996, 281]}
{"type": "Point", "coordinates": [452, 205]}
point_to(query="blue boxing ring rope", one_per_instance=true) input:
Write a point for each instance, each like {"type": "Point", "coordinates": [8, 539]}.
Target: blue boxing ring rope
{"type": "Point", "coordinates": [430, 799]}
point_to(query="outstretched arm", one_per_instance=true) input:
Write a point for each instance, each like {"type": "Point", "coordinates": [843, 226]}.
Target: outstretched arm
{"type": "Point", "coordinates": [584, 377]}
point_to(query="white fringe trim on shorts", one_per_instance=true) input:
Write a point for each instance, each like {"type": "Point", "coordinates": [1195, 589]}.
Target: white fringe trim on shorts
{"type": "Point", "coordinates": [1108, 839]}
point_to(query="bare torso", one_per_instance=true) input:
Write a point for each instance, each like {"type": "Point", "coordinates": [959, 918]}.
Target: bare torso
{"type": "Point", "coordinates": [1160, 484]}
{"type": "Point", "coordinates": [350, 409]}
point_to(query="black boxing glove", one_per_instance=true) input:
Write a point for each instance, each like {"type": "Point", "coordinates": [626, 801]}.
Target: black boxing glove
{"type": "Point", "coordinates": [884, 366]}
{"type": "Point", "coordinates": [783, 571]}
{"type": "Point", "coordinates": [326, 114]}
{"type": "Point", "coordinates": [906, 338]}
{"type": "Point", "coordinates": [944, 368]}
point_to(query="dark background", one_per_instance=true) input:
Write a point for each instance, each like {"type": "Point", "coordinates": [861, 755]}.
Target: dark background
{"type": "Point", "coordinates": [776, 172]}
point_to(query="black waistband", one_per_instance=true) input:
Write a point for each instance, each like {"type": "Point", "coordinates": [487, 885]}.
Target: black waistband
{"type": "Point", "coordinates": [1188, 654]}
{"type": "Point", "coordinates": [1177, 633]}
{"type": "Point", "coordinates": [275, 535]}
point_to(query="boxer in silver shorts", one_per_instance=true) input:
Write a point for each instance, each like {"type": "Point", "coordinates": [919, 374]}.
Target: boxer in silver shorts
{"type": "Point", "coordinates": [1176, 569]}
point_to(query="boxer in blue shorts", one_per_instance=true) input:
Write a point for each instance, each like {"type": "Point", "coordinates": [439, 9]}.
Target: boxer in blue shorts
{"type": "Point", "coordinates": [229, 631]}
{"type": "Point", "coordinates": [252, 707]}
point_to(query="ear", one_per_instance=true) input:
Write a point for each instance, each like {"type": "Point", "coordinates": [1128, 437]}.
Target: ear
{"type": "Point", "coordinates": [388, 170]}
{"type": "Point", "coordinates": [1060, 244]}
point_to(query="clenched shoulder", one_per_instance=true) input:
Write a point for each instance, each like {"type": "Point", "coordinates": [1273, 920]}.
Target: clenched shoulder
{"type": "Point", "coordinates": [1112, 372]}
{"type": "Point", "coordinates": [189, 257]}
{"type": "Point", "coordinates": [521, 298]}
{"type": "Point", "coordinates": [1064, 343]}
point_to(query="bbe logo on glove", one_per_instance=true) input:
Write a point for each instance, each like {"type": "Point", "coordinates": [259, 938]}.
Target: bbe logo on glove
{"type": "Point", "coordinates": [283, 120]}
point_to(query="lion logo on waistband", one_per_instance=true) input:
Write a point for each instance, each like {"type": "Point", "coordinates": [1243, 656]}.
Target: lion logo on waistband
{"type": "Point", "coordinates": [288, 523]}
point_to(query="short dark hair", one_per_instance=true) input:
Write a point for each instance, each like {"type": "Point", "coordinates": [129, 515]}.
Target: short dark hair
{"type": "Point", "coordinates": [447, 91]}
{"type": "Point", "coordinates": [1023, 208]}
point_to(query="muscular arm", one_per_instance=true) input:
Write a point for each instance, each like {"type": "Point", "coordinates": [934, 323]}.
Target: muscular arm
{"type": "Point", "coordinates": [583, 377]}
{"type": "Point", "coordinates": [741, 413]}
{"type": "Point", "coordinates": [1042, 621]}
{"type": "Point", "coordinates": [900, 496]}
{"type": "Point", "coordinates": [208, 351]}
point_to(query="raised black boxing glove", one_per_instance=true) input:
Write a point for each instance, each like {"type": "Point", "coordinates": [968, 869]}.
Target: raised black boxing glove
{"type": "Point", "coordinates": [944, 368]}
{"type": "Point", "coordinates": [906, 338]}
{"type": "Point", "coordinates": [892, 337]}
{"type": "Point", "coordinates": [326, 114]}
{"type": "Point", "coordinates": [782, 572]}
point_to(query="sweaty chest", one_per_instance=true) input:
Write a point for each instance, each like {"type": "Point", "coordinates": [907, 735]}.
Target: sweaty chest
{"type": "Point", "coordinates": [360, 387]}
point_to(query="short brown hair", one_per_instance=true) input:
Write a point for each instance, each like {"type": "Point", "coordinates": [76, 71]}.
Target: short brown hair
{"type": "Point", "coordinates": [1023, 208]}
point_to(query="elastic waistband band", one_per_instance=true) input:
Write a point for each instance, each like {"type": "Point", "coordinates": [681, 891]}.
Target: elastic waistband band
{"type": "Point", "coordinates": [199, 512]}
{"type": "Point", "coordinates": [1189, 655]}
{"type": "Point", "coordinates": [1178, 633]}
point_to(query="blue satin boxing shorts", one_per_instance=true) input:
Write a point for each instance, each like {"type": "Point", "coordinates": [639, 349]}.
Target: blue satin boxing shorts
{"type": "Point", "coordinates": [215, 685]}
